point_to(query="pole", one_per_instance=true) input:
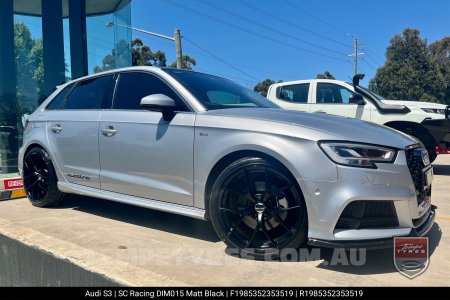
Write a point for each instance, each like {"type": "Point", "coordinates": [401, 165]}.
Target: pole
{"type": "Point", "coordinates": [356, 55]}
{"type": "Point", "coordinates": [177, 37]}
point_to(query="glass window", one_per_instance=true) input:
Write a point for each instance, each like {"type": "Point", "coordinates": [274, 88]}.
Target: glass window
{"type": "Point", "coordinates": [297, 93]}
{"type": "Point", "coordinates": [217, 93]}
{"type": "Point", "coordinates": [93, 93]}
{"type": "Point", "coordinates": [332, 93]}
{"type": "Point", "coordinates": [58, 100]}
{"type": "Point", "coordinates": [134, 86]}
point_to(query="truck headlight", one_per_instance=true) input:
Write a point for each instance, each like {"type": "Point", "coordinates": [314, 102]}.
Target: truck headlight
{"type": "Point", "coordinates": [357, 155]}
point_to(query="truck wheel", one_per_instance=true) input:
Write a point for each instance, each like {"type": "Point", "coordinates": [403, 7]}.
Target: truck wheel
{"type": "Point", "coordinates": [257, 208]}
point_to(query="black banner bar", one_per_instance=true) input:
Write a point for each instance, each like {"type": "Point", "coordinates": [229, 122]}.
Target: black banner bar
{"type": "Point", "coordinates": [67, 293]}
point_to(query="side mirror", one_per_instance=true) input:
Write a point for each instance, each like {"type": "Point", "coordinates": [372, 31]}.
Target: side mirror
{"type": "Point", "coordinates": [160, 103]}
{"type": "Point", "coordinates": [357, 99]}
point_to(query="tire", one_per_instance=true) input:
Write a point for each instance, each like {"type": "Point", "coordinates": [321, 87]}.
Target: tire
{"type": "Point", "coordinates": [257, 207]}
{"type": "Point", "coordinates": [40, 180]}
{"type": "Point", "coordinates": [419, 132]}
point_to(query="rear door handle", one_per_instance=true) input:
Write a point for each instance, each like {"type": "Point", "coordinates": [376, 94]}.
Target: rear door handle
{"type": "Point", "coordinates": [109, 131]}
{"type": "Point", "coordinates": [57, 128]}
{"type": "Point", "coordinates": [320, 112]}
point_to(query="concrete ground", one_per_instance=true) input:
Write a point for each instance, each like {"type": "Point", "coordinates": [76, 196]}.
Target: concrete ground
{"type": "Point", "coordinates": [136, 246]}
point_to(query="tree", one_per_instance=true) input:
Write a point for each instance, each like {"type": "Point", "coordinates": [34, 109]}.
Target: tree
{"type": "Point", "coordinates": [440, 53]}
{"type": "Point", "coordinates": [325, 75]}
{"type": "Point", "coordinates": [186, 62]}
{"type": "Point", "coordinates": [409, 73]}
{"type": "Point", "coordinates": [143, 56]}
{"type": "Point", "coordinates": [263, 86]}
{"type": "Point", "coordinates": [118, 57]}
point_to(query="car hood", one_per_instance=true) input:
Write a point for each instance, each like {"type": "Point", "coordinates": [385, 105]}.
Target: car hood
{"type": "Point", "coordinates": [415, 103]}
{"type": "Point", "coordinates": [334, 127]}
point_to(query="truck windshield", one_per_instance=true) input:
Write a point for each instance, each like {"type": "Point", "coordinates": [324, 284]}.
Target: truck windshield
{"type": "Point", "coordinates": [214, 92]}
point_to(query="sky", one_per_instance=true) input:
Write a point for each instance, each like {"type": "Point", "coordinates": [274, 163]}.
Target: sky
{"type": "Point", "coordinates": [249, 41]}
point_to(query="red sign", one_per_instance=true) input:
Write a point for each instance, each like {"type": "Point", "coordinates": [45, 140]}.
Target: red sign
{"type": "Point", "coordinates": [13, 184]}
{"type": "Point", "coordinates": [411, 255]}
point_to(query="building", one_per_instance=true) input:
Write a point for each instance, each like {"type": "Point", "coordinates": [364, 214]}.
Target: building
{"type": "Point", "coordinates": [44, 43]}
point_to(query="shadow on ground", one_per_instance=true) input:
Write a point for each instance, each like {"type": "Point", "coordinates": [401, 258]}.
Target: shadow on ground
{"type": "Point", "coordinates": [144, 217]}
{"type": "Point", "coordinates": [376, 261]}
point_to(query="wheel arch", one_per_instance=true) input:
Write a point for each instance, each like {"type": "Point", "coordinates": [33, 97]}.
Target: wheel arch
{"type": "Point", "coordinates": [417, 128]}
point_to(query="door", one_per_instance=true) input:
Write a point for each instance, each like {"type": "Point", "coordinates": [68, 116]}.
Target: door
{"type": "Point", "coordinates": [72, 127]}
{"type": "Point", "coordinates": [141, 154]}
{"type": "Point", "coordinates": [333, 99]}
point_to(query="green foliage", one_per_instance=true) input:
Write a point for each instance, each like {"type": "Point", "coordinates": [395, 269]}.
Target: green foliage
{"type": "Point", "coordinates": [325, 75]}
{"type": "Point", "coordinates": [440, 53]}
{"type": "Point", "coordinates": [410, 72]}
{"type": "Point", "coordinates": [143, 56]}
{"type": "Point", "coordinates": [186, 62]}
{"type": "Point", "coordinates": [263, 86]}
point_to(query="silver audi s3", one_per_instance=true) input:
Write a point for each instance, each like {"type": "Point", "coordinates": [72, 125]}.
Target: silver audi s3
{"type": "Point", "coordinates": [202, 146]}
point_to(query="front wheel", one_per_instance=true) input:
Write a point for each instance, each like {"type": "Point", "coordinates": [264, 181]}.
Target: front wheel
{"type": "Point", "coordinates": [257, 207]}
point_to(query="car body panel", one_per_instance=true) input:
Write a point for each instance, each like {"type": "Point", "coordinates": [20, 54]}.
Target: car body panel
{"type": "Point", "coordinates": [161, 162]}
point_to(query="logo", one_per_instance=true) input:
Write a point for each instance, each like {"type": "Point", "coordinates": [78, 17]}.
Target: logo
{"type": "Point", "coordinates": [411, 256]}
{"type": "Point", "coordinates": [12, 184]}
{"type": "Point", "coordinates": [425, 157]}
{"type": "Point", "coordinates": [78, 176]}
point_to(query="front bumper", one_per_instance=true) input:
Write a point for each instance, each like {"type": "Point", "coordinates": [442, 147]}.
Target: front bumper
{"type": "Point", "coordinates": [389, 184]}
{"type": "Point", "coordinates": [378, 243]}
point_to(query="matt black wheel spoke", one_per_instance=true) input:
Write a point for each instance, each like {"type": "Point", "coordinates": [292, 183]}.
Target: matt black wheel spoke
{"type": "Point", "coordinates": [233, 228]}
{"type": "Point", "coordinates": [236, 191]}
{"type": "Point", "coordinates": [249, 242]}
{"type": "Point", "coordinates": [279, 220]}
{"type": "Point", "coordinates": [251, 186]}
{"type": "Point", "coordinates": [31, 185]}
{"type": "Point", "coordinates": [263, 227]}
{"type": "Point", "coordinates": [289, 208]}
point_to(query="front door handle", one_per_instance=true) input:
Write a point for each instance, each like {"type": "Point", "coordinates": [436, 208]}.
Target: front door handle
{"type": "Point", "coordinates": [320, 112]}
{"type": "Point", "coordinates": [57, 128]}
{"type": "Point", "coordinates": [109, 131]}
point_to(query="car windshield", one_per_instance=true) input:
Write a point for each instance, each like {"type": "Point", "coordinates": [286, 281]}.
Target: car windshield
{"type": "Point", "coordinates": [215, 92]}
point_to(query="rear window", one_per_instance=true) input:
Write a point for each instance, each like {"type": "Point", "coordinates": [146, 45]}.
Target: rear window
{"type": "Point", "coordinates": [94, 93]}
{"type": "Point", "coordinates": [59, 99]}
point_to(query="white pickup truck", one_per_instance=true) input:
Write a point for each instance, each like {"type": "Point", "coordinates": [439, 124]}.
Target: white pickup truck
{"type": "Point", "coordinates": [429, 122]}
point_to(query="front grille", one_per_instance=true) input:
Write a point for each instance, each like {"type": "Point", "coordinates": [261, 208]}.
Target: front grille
{"type": "Point", "coordinates": [415, 165]}
{"type": "Point", "coordinates": [368, 214]}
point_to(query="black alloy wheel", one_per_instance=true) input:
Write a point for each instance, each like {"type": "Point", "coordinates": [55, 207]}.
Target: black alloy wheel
{"type": "Point", "coordinates": [39, 179]}
{"type": "Point", "coordinates": [256, 206]}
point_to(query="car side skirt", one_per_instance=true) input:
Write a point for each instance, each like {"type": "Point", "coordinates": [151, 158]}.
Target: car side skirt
{"type": "Point", "coordinates": [188, 211]}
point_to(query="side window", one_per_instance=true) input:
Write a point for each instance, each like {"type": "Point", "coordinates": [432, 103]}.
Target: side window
{"type": "Point", "coordinates": [331, 93]}
{"type": "Point", "coordinates": [93, 93]}
{"type": "Point", "coordinates": [297, 93]}
{"type": "Point", "coordinates": [134, 86]}
{"type": "Point", "coordinates": [59, 99]}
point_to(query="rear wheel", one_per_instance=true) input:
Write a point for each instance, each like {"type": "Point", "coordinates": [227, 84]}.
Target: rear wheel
{"type": "Point", "coordinates": [40, 180]}
{"type": "Point", "coordinates": [257, 207]}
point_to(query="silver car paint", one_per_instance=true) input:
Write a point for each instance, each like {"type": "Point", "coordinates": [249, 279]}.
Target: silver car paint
{"type": "Point", "coordinates": [290, 137]}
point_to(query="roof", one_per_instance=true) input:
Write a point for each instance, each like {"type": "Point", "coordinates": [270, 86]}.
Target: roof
{"type": "Point", "coordinates": [93, 7]}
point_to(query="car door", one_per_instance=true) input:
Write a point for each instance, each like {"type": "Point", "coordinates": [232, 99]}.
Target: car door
{"type": "Point", "coordinates": [331, 98]}
{"type": "Point", "coordinates": [141, 154]}
{"type": "Point", "coordinates": [72, 127]}
{"type": "Point", "coordinates": [293, 96]}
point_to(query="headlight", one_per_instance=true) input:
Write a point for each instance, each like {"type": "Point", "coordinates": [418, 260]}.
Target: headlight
{"type": "Point", "coordinates": [357, 155]}
{"type": "Point", "coordinates": [434, 110]}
